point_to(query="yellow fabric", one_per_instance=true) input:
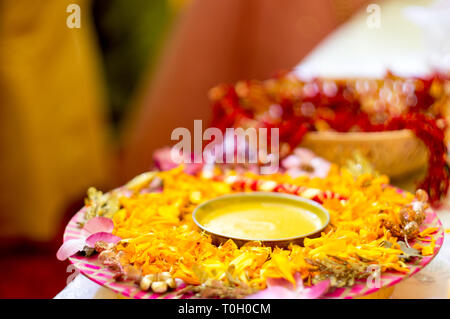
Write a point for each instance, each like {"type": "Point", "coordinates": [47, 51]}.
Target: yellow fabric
{"type": "Point", "coordinates": [53, 141]}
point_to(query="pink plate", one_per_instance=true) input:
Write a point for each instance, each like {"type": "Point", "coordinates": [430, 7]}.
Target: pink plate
{"type": "Point", "coordinates": [91, 268]}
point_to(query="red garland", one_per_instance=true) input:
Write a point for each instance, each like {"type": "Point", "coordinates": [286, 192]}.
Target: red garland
{"type": "Point", "coordinates": [436, 183]}
{"type": "Point", "coordinates": [341, 112]}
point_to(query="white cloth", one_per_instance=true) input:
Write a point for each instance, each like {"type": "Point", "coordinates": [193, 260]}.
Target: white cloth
{"type": "Point", "coordinates": [401, 44]}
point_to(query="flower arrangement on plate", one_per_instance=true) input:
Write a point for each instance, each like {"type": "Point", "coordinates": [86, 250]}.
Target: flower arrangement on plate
{"type": "Point", "coordinates": [141, 241]}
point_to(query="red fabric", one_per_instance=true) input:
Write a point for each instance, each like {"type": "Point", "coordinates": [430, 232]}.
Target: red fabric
{"type": "Point", "coordinates": [30, 269]}
{"type": "Point", "coordinates": [31, 274]}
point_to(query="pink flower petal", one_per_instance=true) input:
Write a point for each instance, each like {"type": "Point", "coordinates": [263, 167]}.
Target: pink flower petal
{"type": "Point", "coordinates": [282, 289]}
{"type": "Point", "coordinates": [127, 193]}
{"type": "Point", "coordinates": [101, 236]}
{"type": "Point", "coordinates": [163, 159]}
{"type": "Point", "coordinates": [316, 291]}
{"type": "Point", "coordinates": [304, 154]}
{"type": "Point", "coordinates": [193, 168]}
{"type": "Point", "coordinates": [291, 161]}
{"type": "Point", "coordinates": [69, 248]}
{"type": "Point", "coordinates": [98, 224]}
{"type": "Point", "coordinates": [321, 167]}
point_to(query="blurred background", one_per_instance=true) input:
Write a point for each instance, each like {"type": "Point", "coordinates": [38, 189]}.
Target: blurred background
{"type": "Point", "coordinates": [87, 106]}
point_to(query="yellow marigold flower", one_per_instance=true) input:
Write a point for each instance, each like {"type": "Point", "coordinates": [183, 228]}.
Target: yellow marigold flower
{"type": "Point", "coordinates": [159, 234]}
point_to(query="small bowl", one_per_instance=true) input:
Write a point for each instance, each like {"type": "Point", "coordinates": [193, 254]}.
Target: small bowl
{"type": "Point", "coordinates": [407, 154]}
{"type": "Point", "coordinates": [217, 238]}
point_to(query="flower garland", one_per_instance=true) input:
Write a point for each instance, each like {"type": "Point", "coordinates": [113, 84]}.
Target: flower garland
{"type": "Point", "coordinates": [297, 107]}
{"type": "Point", "coordinates": [425, 128]}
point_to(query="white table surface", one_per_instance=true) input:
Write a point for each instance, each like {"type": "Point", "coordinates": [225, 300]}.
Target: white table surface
{"type": "Point", "coordinates": [356, 50]}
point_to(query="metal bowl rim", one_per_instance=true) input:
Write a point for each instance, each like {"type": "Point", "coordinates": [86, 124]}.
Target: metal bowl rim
{"type": "Point", "coordinates": [263, 194]}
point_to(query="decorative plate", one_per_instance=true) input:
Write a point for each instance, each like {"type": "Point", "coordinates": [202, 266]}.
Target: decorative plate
{"type": "Point", "coordinates": [91, 268]}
